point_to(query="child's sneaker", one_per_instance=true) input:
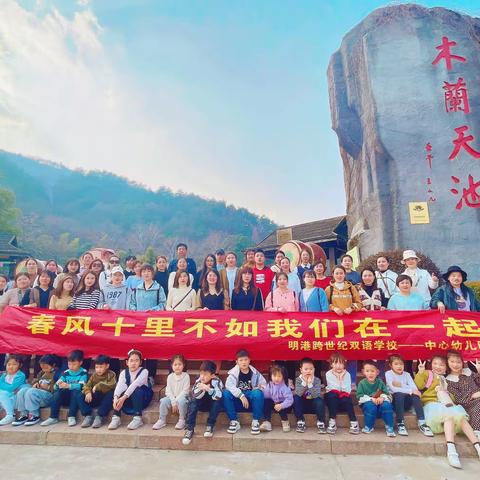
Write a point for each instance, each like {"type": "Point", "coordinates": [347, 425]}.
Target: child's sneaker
{"type": "Point", "coordinates": [87, 422]}
{"type": "Point", "coordinates": [97, 422]}
{"type": "Point", "coordinates": [7, 420]}
{"type": "Point", "coordinates": [32, 420]}
{"type": "Point", "coordinates": [187, 437]}
{"type": "Point", "coordinates": [71, 421]}
{"type": "Point", "coordinates": [321, 428]}
{"type": "Point", "coordinates": [402, 429]}
{"type": "Point", "coordinates": [390, 432]}
{"type": "Point", "coordinates": [354, 428]}
{"type": "Point", "coordinates": [266, 426]}
{"type": "Point", "coordinates": [234, 427]}
{"type": "Point", "coordinates": [332, 426]}
{"type": "Point", "coordinates": [300, 426]}
{"type": "Point", "coordinates": [160, 423]}
{"type": "Point", "coordinates": [114, 423]}
{"type": "Point", "coordinates": [255, 428]}
{"type": "Point", "coordinates": [49, 421]}
{"type": "Point", "coordinates": [366, 429]}
{"type": "Point", "coordinates": [180, 425]}
{"type": "Point", "coordinates": [285, 426]}
{"type": "Point", "coordinates": [208, 431]}
{"type": "Point", "coordinates": [454, 460]}
{"type": "Point", "coordinates": [20, 421]}
{"type": "Point", "coordinates": [135, 423]}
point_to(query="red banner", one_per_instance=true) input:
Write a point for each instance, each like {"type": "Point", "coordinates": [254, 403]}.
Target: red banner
{"type": "Point", "coordinates": [218, 335]}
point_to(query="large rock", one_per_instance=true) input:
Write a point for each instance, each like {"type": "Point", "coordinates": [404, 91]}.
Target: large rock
{"type": "Point", "coordinates": [387, 102]}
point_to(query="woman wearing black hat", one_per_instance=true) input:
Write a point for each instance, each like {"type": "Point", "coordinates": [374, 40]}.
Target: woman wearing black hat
{"type": "Point", "coordinates": [455, 295]}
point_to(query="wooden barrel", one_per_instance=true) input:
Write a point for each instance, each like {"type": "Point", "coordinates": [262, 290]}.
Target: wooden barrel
{"type": "Point", "coordinates": [292, 250]}
{"type": "Point", "coordinates": [318, 253]}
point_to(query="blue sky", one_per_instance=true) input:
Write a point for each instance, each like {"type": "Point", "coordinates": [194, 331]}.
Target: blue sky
{"type": "Point", "coordinates": [227, 99]}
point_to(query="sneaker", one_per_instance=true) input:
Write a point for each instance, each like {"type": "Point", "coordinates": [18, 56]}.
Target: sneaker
{"type": "Point", "coordinates": [255, 428]}
{"type": "Point", "coordinates": [354, 428]}
{"type": "Point", "coordinates": [49, 421]}
{"type": "Point", "coordinates": [97, 422]}
{"type": "Point", "coordinates": [135, 423]}
{"type": "Point", "coordinates": [301, 426]}
{"type": "Point", "coordinates": [208, 431]}
{"type": "Point", "coordinates": [402, 430]}
{"type": "Point", "coordinates": [71, 421]}
{"type": "Point", "coordinates": [7, 420]}
{"type": "Point", "coordinates": [454, 460]}
{"type": "Point", "coordinates": [391, 432]}
{"type": "Point", "coordinates": [20, 421]}
{"type": "Point", "coordinates": [266, 426]}
{"type": "Point", "coordinates": [32, 420]}
{"type": "Point", "coordinates": [160, 423]}
{"type": "Point", "coordinates": [321, 428]}
{"type": "Point", "coordinates": [87, 422]}
{"type": "Point", "coordinates": [234, 427]}
{"type": "Point", "coordinates": [187, 437]}
{"type": "Point", "coordinates": [114, 423]}
{"type": "Point", "coordinates": [332, 426]}
{"type": "Point", "coordinates": [180, 425]}
{"type": "Point", "coordinates": [285, 426]}
{"type": "Point", "coordinates": [425, 429]}
{"type": "Point", "coordinates": [367, 429]}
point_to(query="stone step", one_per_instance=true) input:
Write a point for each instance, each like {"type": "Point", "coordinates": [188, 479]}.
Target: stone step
{"type": "Point", "coordinates": [342, 443]}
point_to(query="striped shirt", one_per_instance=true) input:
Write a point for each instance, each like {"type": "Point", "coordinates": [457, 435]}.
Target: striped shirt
{"type": "Point", "coordinates": [85, 301]}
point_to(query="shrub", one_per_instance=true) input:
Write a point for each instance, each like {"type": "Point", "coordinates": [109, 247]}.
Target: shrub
{"type": "Point", "coordinates": [475, 286]}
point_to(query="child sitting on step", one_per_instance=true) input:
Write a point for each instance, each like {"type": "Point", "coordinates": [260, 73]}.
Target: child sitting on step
{"type": "Point", "coordinates": [133, 392]}
{"type": "Point", "coordinates": [10, 383]}
{"type": "Point", "coordinates": [65, 389]}
{"type": "Point", "coordinates": [206, 396]}
{"type": "Point", "coordinates": [278, 397]}
{"type": "Point", "coordinates": [337, 397]}
{"type": "Point", "coordinates": [176, 394]}
{"type": "Point", "coordinates": [30, 400]}
{"type": "Point", "coordinates": [374, 399]}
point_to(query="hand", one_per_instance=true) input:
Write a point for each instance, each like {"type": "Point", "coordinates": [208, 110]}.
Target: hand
{"type": "Point", "coordinates": [63, 385]}
{"type": "Point", "coordinates": [380, 400]}
{"type": "Point", "coordinates": [278, 407]}
{"type": "Point", "coordinates": [107, 307]}
{"type": "Point", "coordinates": [35, 385]}
{"type": "Point", "coordinates": [337, 310]}
{"type": "Point", "coordinates": [282, 309]}
{"type": "Point", "coordinates": [175, 408]}
{"type": "Point", "coordinates": [382, 308]}
{"type": "Point", "coordinates": [117, 405]}
{"type": "Point", "coordinates": [348, 311]}
{"type": "Point", "coordinates": [441, 307]}
{"type": "Point", "coordinates": [88, 397]}
{"type": "Point", "coordinates": [204, 387]}
{"type": "Point", "coordinates": [421, 366]}
{"type": "Point", "coordinates": [437, 388]}
{"type": "Point", "coordinates": [375, 401]}
{"type": "Point", "coordinates": [244, 401]}
{"type": "Point", "coordinates": [94, 389]}
{"type": "Point", "coordinates": [434, 278]}
{"type": "Point", "coordinates": [475, 395]}
{"type": "Point", "coordinates": [396, 384]}
{"type": "Point", "coordinates": [477, 364]}
{"type": "Point", "coordinates": [417, 393]}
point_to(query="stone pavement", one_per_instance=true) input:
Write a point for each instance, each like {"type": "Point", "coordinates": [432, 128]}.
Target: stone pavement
{"type": "Point", "coordinates": [73, 463]}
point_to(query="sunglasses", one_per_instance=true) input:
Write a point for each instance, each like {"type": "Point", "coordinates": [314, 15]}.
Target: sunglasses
{"type": "Point", "coordinates": [116, 262]}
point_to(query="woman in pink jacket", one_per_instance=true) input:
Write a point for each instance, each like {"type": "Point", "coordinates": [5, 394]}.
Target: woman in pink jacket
{"type": "Point", "coordinates": [281, 298]}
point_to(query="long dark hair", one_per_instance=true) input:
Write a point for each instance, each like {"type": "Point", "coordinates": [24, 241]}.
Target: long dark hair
{"type": "Point", "coordinates": [71, 260]}
{"type": "Point", "coordinates": [368, 269]}
{"type": "Point", "coordinates": [203, 272]}
{"type": "Point", "coordinates": [81, 284]}
{"type": "Point", "coordinates": [239, 281]}
{"type": "Point", "coordinates": [59, 289]}
{"type": "Point", "coordinates": [204, 285]}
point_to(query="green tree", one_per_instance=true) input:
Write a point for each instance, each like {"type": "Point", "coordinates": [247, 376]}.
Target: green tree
{"type": "Point", "coordinates": [149, 256]}
{"type": "Point", "coordinates": [9, 213]}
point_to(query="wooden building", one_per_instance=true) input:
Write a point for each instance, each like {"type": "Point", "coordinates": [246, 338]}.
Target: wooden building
{"type": "Point", "coordinates": [10, 253]}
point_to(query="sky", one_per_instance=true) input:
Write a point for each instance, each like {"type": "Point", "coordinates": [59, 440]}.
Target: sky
{"type": "Point", "coordinates": [225, 99]}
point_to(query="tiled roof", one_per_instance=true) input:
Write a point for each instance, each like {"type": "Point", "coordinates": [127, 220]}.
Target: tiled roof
{"type": "Point", "coordinates": [318, 231]}
{"type": "Point", "coordinates": [9, 246]}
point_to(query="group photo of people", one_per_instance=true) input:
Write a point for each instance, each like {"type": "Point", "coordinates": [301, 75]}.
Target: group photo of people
{"type": "Point", "coordinates": [443, 391]}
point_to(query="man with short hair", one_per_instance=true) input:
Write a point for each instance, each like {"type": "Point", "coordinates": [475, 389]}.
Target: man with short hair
{"type": "Point", "coordinates": [129, 264]}
{"type": "Point", "coordinates": [262, 275]}
{"type": "Point", "coordinates": [182, 252]}
{"type": "Point", "coordinates": [220, 258]}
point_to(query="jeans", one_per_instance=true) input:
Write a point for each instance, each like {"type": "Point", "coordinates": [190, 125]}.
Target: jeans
{"type": "Point", "coordinates": [405, 401]}
{"type": "Point", "coordinates": [352, 367]}
{"type": "Point", "coordinates": [136, 402]}
{"type": "Point", "coordinates": [166, 405]}
{"type": "Point", "coordinates": [301, 404]}
{"type": "Point", "coordinates": [268, 409]}
{"type": "Point", "coordinates": [372, 412]}
{"type": "Point", "coordinates": [102, 401]}
{"type": "Point", "coordinates": [7, 402]}
{"type": "Point", "coordinates": [336, 403]}
{"type": "Point", "coordinates": [30, 400]}
{"type": "Point", "coordinates": [233, 404]}
{"type": "Point", "coordinates": [64, 396]}
{"type": "Point", "coordinates": [204, 404]}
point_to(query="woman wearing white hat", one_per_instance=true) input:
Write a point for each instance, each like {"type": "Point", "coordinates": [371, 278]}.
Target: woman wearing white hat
{"type": "Point", "coordinates": [422, 281]}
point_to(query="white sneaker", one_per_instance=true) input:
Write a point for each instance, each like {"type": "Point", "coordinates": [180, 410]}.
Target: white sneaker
{"type": "Point", "coordinates": [266, 426]}
{"type": "Point", "coordinates": [87, 422]}
{"type": "Point", "coordinates": [234, 427]}
{"type": "Point", "coordinates": [7, 420]}
{"type": "Point", "coordinates": [255, 428]}
{"type": "Point", "coordinates": [114, 423]}
{"type": "Point", "coordinates": [285, 426]}
{"type": "Point", "coordinates": [161, 422]}
{"type": "Point", "coordinates": [71, 421]}
{"type": "Point", "coordinates": [454, 460]}
{"type": "Point", "coordinates": [49, 421]}
{"type": "Point", "coordinates": [135, 423]}
{"type": "Point", "coordinates": [180, 424]}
